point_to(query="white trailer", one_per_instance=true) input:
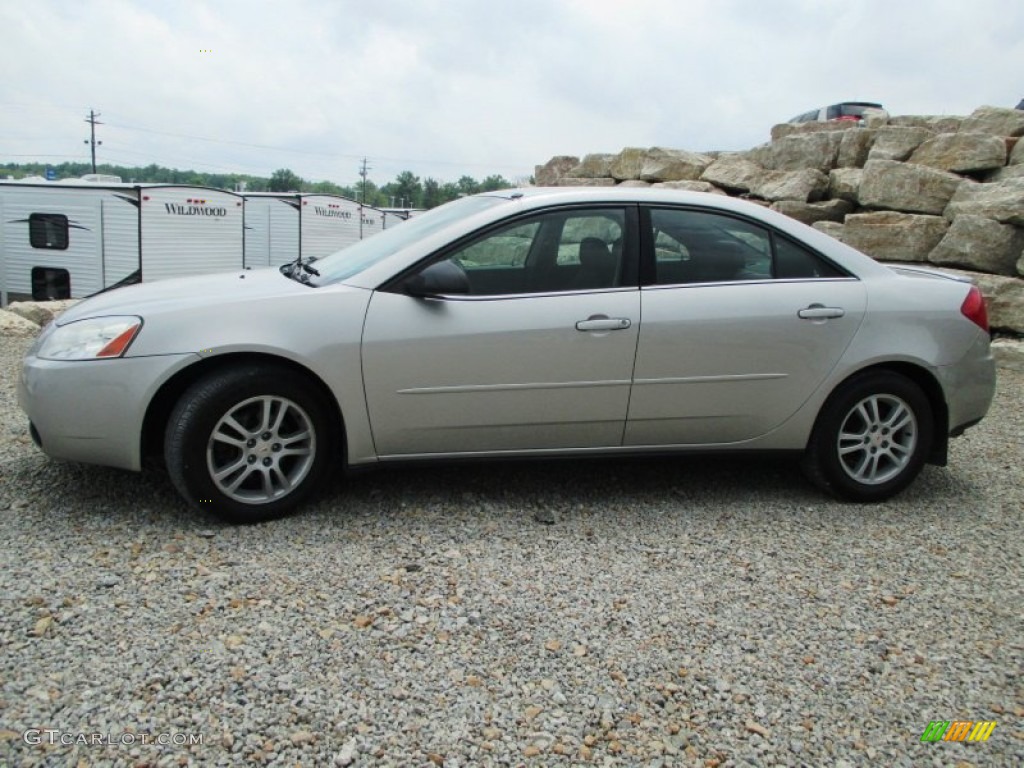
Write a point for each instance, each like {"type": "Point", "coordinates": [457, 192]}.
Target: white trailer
{"type": "Point", "coordinates": [64, 240]}
{"type": "Point", "coordinates": [395, 216]}
{"type": "Point", "coordinates": [189, 231]}
{"type": "Point", "coordinates": [72, 239]}
{"type": "Point", "coordinates": [281, 226]}
{"type": "Point", "coordinates": [373, 221]}
{"type": "Point", "coordinates": [271, 228]}
{"type": "Point", "coordinates": [328, 223]}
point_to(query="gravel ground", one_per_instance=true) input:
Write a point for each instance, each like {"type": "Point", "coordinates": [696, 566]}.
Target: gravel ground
{"type": "Point", "coordinates": [677, 612]}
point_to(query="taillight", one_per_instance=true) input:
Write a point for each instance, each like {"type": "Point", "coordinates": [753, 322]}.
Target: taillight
{"type": "Point", "coordinates": [973, 308]}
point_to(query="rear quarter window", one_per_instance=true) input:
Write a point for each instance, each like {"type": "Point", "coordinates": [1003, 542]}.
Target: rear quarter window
{"type": "Point", "coordinates": [794, 262]}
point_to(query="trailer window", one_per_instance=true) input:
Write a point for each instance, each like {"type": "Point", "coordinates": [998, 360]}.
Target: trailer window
{"type": "Point", "coordinates": [48, 230]}
{"type": "Point", "coordinates": [50, 283]}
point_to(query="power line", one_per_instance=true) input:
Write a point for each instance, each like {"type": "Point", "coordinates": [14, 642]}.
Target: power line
{"type": "Point", "coordinates": [379, 158]}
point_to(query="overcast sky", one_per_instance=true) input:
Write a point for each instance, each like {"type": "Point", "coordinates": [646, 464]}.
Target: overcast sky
{"type": "Point", "coordinates": [451, 87]}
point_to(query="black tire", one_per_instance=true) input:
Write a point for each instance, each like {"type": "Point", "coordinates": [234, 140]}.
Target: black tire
{"type": "Point", "coordinates": [273, 442]}
{"type": "Point", "coordinates": [872, 437]}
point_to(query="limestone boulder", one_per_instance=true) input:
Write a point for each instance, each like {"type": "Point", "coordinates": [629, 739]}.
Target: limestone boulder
{"type": "Point", "coordinates": [810, 213]}
{"type": "Point", "coordinates": [57, 307]}
{"type": "Point", "coordinates": [633, 183]}
{"type": "Point", "coordinates": [892, 236]}
{"type": "Point", "coordinates": [906, 187]}
{"type": "Point", "coordinates": [32, 311]}
{"type": "Point", "coordinates": [797, 152]}
{"type": "Point", "coordinates": [12, 324]}
{"type": "Point", "coordinates": [1020, 265]}
{"type": "Point", "coordinates": [597, 165]}
{"type": "Point", "coordinates": [733, 173]}
{"type": "Point", "coordinates": [844, 183]}
{"type": "Point", "coordinates": [897, 142]}
{"type": "Point", "coordinates": [934, 123]}
{"type": "Point", "coordinates": [783, 130]}
{"type": "Point", "coordinates": [628, 163]}
{"type": "Point", "coordinates": [41, 312]}
{"type": "Point", "coordinates": [806, 185]}
{"type": "Point", "coordinates": [548, 174]}
{"type": "Point", "coordinates": [1017, 154]}
{"type": "Point", "coordinates": [875, 119]}
{"type": "Point", "coordinates": [832, 229]}
{"type": "Point", "coordinates": [571, 181]}
{"type": "Point", "coordinates": [1002, 201]}
{"type": "Point", "coordinates": [997, 121]}
{"type": "Point", "coordinates": [1004, 173]}
{"type": "Point", "coordinates": [854, 148]}
{"type": "Point", "coordinates": [673, 165]}
{"type": "Point", "coordinates": [690, 186]}
{"type": "Point", "coordinates": [961, 152]}
{"type": "Point", "coordinates": [1004, 300]}
{"type": "Point", "coordinates": [977, 243]}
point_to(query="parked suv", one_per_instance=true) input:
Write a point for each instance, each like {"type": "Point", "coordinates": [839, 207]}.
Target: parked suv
{"type": "Point", "coordinates": [848, 110]}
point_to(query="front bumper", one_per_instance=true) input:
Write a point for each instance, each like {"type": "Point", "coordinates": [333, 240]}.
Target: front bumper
{"type": "Point", "coordinates": [93, 410]}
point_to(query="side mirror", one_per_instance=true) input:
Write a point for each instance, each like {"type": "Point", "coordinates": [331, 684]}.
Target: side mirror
{"type": "Point", "coordinates": [441, 278]}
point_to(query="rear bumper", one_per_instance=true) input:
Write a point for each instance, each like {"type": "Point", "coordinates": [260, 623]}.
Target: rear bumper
{"type": "Point", "coordinates": [969, 386]}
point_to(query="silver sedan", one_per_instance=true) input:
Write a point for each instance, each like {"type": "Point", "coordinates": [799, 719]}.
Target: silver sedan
{"type": "Point", "coordinates": [525, 323]}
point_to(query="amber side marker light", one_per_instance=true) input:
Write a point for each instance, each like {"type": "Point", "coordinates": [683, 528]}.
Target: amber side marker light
{"type": "Point", "coordinates": [973, 308]}
{"type": "Point", "coordinates": [117, 345]}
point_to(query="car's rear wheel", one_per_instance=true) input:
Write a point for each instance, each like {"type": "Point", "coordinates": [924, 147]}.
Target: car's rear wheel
{"type": "Point", "coordinates": [248, 444]}
{"type": "Point", "coordinates": [872, 437]}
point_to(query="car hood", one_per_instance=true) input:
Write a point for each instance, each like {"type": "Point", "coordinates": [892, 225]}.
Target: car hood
{"type": "Point", "coordinates": [185, 293]}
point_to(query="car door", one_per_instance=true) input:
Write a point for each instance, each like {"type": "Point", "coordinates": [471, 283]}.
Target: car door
{"type": "Point", "coordinates": [741, 325]}
{"type": "Point", "coordinates": [538, 355]}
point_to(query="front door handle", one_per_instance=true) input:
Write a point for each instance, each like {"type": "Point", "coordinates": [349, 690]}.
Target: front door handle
{"type": "Point", "coordinates": [603, 323]}
{"type": "Point", "coordinates": [820, 312]}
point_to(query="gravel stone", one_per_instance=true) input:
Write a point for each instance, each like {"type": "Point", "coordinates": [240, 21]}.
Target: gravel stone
{"type": "Point", "coordinates": [698, 611]}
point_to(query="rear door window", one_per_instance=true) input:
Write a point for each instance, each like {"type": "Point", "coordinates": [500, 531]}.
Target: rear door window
{"type": "Point", "coordinates": [691, 246]}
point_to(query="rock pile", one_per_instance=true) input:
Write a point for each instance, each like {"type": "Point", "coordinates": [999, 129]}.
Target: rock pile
{"type": "Point", "coordinates": [26, 318]}
{"type": "Point", "coordinates": [944, 190]}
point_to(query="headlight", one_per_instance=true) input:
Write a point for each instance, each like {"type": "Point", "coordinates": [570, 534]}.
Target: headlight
{"type": "Point", "coordinates": [94, 339]}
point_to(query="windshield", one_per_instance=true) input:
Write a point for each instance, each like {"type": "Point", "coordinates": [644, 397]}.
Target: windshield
{"type": "Point", "coordinates": [354, 258]}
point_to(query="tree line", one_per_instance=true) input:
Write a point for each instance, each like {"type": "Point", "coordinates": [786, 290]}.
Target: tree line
{"type": "Point", "coordinates": [407, 190]}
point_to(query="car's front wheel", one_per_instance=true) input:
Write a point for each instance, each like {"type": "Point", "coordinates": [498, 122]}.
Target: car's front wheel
{"type": "Point", "coordinates": [872, 437]}
{"type": "Point", "coordinates": [249, 443]}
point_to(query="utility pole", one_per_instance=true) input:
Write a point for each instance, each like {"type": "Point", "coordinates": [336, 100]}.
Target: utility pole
{"type": "Point", "coordinates": [93, 122]}
{"type": "Point", "coordinates": [362, 172]}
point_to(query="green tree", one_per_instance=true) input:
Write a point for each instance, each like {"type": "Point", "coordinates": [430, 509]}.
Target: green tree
{"type": "Point", "coordinates": [431, 193]}
{"type": "Point", "coordinates": [325, 188]}
{"type": "Point", "coordinates": [449, 191]}
{"type": "Point", "coordinates": [492, 183]}
{"type": "Point", "coordinates": [467, 185]}
{"type": "Point", "coordinates": [407, 188]}
{"type": "Point", "coordinates": [283, 180]}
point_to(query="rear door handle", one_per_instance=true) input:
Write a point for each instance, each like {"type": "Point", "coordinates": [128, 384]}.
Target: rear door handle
{"type": "Point", "coordinates": [603, 323]}
{"type": "Point", "coordinates": [820, 312]}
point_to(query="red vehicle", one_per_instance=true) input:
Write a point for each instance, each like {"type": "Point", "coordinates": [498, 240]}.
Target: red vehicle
{"type": "Point", "coordinates": [854, 111]}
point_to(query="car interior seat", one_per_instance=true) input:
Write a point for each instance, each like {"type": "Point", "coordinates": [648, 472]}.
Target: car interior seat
{"type": "Point", "coordinates": [597, 265]}
{"type": "Point", "coordinates": [716, 262]}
